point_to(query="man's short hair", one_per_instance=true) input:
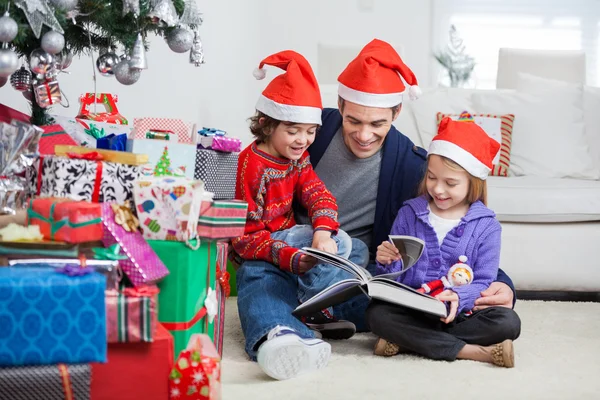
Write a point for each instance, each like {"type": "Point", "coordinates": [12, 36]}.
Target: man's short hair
{"type": "Point", "coordinates": [395, 109]}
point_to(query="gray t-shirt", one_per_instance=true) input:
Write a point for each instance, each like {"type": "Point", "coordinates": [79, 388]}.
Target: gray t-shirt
{"type": "Point", "coordinates": [354, 182]}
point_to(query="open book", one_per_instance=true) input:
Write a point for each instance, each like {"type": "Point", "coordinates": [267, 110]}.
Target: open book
{"type": "Point", "coordinates": [381, 287]}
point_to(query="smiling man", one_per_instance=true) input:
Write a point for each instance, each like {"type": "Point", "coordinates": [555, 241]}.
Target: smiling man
{"type": "Point", "coordinates": [369, 166]}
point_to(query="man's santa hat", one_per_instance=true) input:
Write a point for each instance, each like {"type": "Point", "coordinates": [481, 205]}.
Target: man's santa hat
{"type": "Point", "coordinates": [293, 96]}
{"type": "Point", "coordinates": [466, 144]}
{"type": "Point", "coordinates": [374, 77]}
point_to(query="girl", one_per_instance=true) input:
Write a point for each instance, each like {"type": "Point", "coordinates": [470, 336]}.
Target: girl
{"type": "Point", "coordinates": [452, 218]}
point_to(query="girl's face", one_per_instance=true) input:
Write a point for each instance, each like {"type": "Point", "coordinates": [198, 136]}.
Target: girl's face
{"type": "Point", "coordinates": [290, 140]}
{"type": "Point", "coordinates": [448, 189]}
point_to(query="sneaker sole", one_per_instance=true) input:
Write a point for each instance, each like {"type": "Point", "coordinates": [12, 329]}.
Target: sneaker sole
{"type": "Point", "coordinates": [290, 356]}
{"type": "Point", "coordinates": [331, 331]}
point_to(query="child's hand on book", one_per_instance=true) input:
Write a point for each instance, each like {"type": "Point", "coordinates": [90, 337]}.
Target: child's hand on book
{"type": "Point", "coordinates": [323, 241]}
{"type": "Point", "coordinates": [387, 253]}
{"type": "Point", "coordinates": [306, 262]}
{"type": "Point", "coordinates": [452, 298]}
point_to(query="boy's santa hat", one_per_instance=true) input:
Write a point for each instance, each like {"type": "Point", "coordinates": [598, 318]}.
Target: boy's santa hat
{"type": "Point", "coordinates": [466, 144]}
{"type": "Point", "coordinates": [373, 78]}
{"type": "Point", "coordinates": [293, 96]}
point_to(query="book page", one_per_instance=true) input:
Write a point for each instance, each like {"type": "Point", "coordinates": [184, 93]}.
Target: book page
{"type": "Point", "coordinates": [402, 295]}
{"type": "Point", "coordinates": [334, 294]}
{"type": "Point", "coordinates": [410, 248]}
{"type": "Point", "coordinates": [337, 261]}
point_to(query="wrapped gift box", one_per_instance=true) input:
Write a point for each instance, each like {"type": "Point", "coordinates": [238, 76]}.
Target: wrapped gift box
{"type": "Point", "coordinates": [113, 142]}
{"type": "Point", "coordinates": [168, 207]}
{"type": "Point", "coordinates": [106, 101]}
{"type": "Point", "coordinates": [175, 159]}
{"type": "Point", "coordinates": [135, 370]}
{"type": "Point", "coordinates": [86, 132]}
{"type": "Point", "coordinates": [54, 135]}
{"type": "Point", "coordinates": [196, 374]}
{"type": "Point", "coordinates": [222, 219]}
{"type": "Point", "coordinates": [56, 382]}
{"type": "Point", "coordinates": [218, 172]}
{"type": "Point", "coordinates": [66, 221]}
{"type": "Point", "coordinates": [187, 302]}
{"type": "Point", "coordinates": [87, 178]}
{"type": "Point", "coordinates": [50, 317]}
{"type": "Point", "coordinates": [225, 144]}
{"type": "Point", "coordinates": [179, 131]}
{"type": "Point", "coordinates": [131, 314]}
{"type": "Point", "coordinates": [142, 265]}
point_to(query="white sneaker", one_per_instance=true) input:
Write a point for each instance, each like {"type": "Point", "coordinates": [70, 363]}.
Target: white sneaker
{"type": "Point", "coordinates": [285, 354]}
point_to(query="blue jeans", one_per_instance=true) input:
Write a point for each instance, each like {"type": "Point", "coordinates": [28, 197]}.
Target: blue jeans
{"type": "Point", "coordinates": [267, 295]}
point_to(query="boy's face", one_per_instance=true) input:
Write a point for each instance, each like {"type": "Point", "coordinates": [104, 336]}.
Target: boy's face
{"type": "Point", "coordinates": [365, 128]}
{"type": "Point", "coordinates": [290, 140]}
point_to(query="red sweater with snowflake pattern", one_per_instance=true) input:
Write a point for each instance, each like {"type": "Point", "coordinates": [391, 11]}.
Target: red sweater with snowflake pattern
{"type": "Point", "coordinates": [269, 185]}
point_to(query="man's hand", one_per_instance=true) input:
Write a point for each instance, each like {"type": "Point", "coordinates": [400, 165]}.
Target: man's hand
{"type": "Point", "coordinates": [322, 240]}
{"type": "Point", "coordinates": [497, 295]}
{"type": "Point", "coordinates": [387, 253]}
{"type": "Point", "coordinates": [452, 297]}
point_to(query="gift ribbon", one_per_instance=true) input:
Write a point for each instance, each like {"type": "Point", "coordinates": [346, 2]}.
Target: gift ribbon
{"type": "Point", "coordinates": [55, 225]}
{"type": "Point", "coordinates": [92, 156]}
{"type": "Point", "coordinates": [65, 379]}
{"type": "Point", "coordinates": [184, 326]}
{"type": "Point", "coordinates": [95, 132]}
{"type": "Point", "coordinates": [142, 291]}
{"type": "Point", "coordinates": [110, 253]}
{"type": "Point", "coordinates": [223, 279]}
{"type": "Point", "coordinates": [48, 93]}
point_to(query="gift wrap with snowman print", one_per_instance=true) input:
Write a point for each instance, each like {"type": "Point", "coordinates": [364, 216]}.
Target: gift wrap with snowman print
{"type": "Point", "coordinates": [168, 207]}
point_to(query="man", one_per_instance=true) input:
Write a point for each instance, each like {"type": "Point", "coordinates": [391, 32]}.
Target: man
{"type": "Point", "coordinates": [370, 167]}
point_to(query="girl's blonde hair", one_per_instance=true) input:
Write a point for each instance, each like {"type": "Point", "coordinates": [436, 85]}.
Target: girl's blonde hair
{"type": "Point", "coordinates": [477, 186]}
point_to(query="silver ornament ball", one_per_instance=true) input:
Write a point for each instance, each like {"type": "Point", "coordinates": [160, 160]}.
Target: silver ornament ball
{"type": "Point", "coordinates": [66, 5]}
{"type": "Point", "coordinates": [53, 42]}
{"type": "Point", "coordinates": [40, 61]}
{"type": "Point", "coordinates": [126, 75]}
{"type": "Point", "coordinates": [63, 59]}
{"type": "Point", "coordinates": [180, 40]}
{"type": "Point", "coordinates": [106, 64]}
{"type": "Point", "coordinates": [8, 28]}
{"type": "Point", "coordinates": [9, 62]}
{"type": "Point", "coordinates": [3, 81]}
{"type": "Point", "coordinates": [21, 79]}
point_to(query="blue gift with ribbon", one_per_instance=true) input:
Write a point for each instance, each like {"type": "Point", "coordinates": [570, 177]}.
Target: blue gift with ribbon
{"type": "Point", "coordinates": [112, 142]}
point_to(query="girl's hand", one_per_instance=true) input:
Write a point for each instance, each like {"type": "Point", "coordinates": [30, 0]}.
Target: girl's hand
{"type": "Point", "coordinates": [452, 297]}
{"type": "Point", "coordinates": [387, 253]}
{"type": "Point", "coordinates": [322, 240]}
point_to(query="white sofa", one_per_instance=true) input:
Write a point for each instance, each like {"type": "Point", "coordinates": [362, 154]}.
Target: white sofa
{"type": "Point", "coordinates": [551, 226]}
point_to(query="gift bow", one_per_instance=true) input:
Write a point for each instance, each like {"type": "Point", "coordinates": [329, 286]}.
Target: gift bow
{"type": "Point", "coordinates": [75, 270]}
{"type": "Point", "coordinates": [125, 218]}
{"type": "Point", "coordinates": [110, 253]}
{"type": "Point", "coordinates": [223, 278]}
{"type": "Point", "coordinates": [92, 156]}
{"type": "Point", "coordinates": [95, 132]}
{"type": "Point", "coordinates": [142, 291]}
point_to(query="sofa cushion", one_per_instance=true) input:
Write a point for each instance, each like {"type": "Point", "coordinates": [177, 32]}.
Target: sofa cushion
{"type": "Point", "coordinates": [538, 199]}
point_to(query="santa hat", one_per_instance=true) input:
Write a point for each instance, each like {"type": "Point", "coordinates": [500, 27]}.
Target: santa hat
{"type": "Point", "coordinates": [373, 78]}
{"type": "Point", "coordinates": [293, 96]}
{"type": "Point", "coordinates": [466, 144]}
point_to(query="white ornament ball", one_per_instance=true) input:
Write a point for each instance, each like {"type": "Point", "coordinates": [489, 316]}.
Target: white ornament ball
{"type": "Point", "coordinates": [8, 28]}
{"type": "Point", "coordinates": [9, 62]}
{"type": "Point", "coordinates": [180, 40]}
{"type": "Point", "coordinates": [126, 75]}
{"type": "Point", "coordinates": [40, 61]}
{"type": "Point", "coordinates": [66, 5]}
{"type": "Point", "coordinates": [53, 42]}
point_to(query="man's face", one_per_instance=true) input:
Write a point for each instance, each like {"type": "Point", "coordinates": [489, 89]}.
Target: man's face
{"type": "Point", "coordinates": [365, 128]}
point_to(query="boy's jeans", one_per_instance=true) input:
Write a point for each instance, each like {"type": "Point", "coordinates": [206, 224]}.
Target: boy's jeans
{"type": "Point", "coordinates": [267, 295]}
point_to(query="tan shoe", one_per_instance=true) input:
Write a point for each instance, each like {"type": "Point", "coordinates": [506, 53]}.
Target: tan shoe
{"type": "Point", "coordinates": [503, 354]}
{"type": "Point", "coordinates": [385, 348]}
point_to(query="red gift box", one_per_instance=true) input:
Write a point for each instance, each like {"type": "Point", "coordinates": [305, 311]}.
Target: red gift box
{"type": "Point", "coordinates": [66, 221]}
{"type": "Point", "coordinates": [135, 370]}
{"type": "Point", "coordinates": [54, 135]}
{"type": "Point", "coordinates": [131, 314]}
{"type": "Point", "coordinates": [7, 114]}
{"type": "Point", "coordinates": [196, 374]}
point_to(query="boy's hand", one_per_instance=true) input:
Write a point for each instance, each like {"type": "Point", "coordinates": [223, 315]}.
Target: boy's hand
{"type": "Point", "coordinates": [452, 297]}
{"type": "Point", "coordinates": [322, 240]}
{"type": "Point", "coordinates": [387, 253]}
{"type": "Point", "coordinates": [306, 262]}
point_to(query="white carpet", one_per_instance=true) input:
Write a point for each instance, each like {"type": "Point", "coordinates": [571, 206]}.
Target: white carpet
{"type": "Point", "coordinates": [556, 357]}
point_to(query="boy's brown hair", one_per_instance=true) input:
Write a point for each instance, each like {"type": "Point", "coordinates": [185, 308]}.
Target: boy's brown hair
{"type": "Point", "coordinates": [477, 186]}
{"type": "Point", "coordinates": [262, 130]}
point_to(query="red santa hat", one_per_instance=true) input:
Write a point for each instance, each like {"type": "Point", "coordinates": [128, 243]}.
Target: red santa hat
{"type": "Point", "coordinates": [374, 77]}
{"type": "Point", "coordinates": [466, 144]}
{"type": "Point", "coordinates": [293, 96]}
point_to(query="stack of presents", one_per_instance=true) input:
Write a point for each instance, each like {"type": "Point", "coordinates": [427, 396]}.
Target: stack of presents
{"type": "Point", "coordinates": [113, 267]}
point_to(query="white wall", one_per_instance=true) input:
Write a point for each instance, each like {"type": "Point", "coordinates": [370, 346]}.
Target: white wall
{"type": "Point", "coordinates": [236, 35]}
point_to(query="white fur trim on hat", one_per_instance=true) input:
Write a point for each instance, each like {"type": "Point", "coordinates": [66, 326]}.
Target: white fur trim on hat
{"type": "Point", "coordinates": [284, 112]}
{"type": "Point", "coordinates": [259, 73]}
{"type": "Point", "coordinates": [460, 156]}
{"type": "Point", "coordinates": [369, 99]}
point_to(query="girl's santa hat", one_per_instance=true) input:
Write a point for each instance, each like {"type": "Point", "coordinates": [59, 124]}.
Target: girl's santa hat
{"type": "Point", "coordinates": [373, 78]}
{"type": "Point", "coordinates": [466, 144]}
{"type": "Point", "coordinates": [293, 96]}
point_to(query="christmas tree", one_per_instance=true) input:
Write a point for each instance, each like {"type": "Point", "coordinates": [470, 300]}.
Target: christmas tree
{"type": "Point", "coordinates": [47, 33]}
{"type": "Point", "coordinates": [457, 63]}
{"type": "Point", "coordinates": [164, 164]}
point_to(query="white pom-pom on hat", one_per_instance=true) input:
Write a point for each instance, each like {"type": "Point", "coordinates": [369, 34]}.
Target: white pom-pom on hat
{"type": "Point", "coordinates": [414, 92]}
{"type": "Point", "coordinates": [462, 259]}
{"type": "Point", "coordinates": [259, 73]}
